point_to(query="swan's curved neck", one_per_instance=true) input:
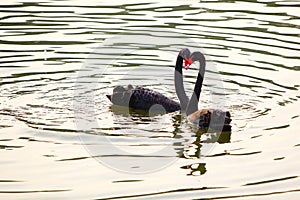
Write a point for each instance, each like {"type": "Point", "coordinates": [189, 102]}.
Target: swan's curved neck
{"type": "Point", "coordinates": [179, 83]}
{"type": "Point", "coordinates": [193, 103]}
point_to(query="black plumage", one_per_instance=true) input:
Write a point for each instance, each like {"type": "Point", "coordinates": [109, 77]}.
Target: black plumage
{"type": "Point", "coordinates": [142, 99]}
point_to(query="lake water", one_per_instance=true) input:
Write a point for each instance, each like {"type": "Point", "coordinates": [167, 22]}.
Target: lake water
{"type": "Point", "coordinates": [60, 138]}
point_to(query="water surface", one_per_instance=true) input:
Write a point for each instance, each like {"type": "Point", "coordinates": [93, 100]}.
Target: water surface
{"type": "Point", "coordinates": [60, 137]}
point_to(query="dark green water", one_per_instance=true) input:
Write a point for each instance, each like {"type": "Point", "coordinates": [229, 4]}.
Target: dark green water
{"type": "Point", "coordinates": [61, 139]}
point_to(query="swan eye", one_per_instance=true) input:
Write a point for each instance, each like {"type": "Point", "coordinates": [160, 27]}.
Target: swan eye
{"type": "Point", "coordinates": [187, 62]}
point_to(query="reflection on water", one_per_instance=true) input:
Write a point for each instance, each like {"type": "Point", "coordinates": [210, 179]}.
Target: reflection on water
{"type": "Point", "coordinates": [59, 59]}
{"type": "Point", "coordinates": [195, 169]}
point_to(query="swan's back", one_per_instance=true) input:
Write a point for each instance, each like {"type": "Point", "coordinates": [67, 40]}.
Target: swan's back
{"type": "Point", "coordinates": [142, 98]}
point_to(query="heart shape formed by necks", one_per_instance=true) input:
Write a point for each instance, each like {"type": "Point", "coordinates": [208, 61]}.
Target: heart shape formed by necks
{"type": "Point", "coordinates": [187, 62]}
{"type": "Point", "coordinates": [205, 118]}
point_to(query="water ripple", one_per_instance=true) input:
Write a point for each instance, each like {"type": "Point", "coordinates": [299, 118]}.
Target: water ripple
{"type": "Point", "coordinates": [253, 47]}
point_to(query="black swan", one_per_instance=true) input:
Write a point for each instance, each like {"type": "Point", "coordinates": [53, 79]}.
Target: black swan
{"type": "Point", "coordinates": [142, 99]}
{"type": "Point", "coordinates": [214, 118]}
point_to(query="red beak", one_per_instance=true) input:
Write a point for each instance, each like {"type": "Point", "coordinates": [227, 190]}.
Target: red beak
{"type": "Point", "coordinates": [187, 62]}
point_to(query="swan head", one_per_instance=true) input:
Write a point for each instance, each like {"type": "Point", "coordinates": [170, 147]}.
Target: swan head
{"type": "Point", "coordinates": [186, 55]}
{"type": "Point", "coordinates": [189, 58]}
